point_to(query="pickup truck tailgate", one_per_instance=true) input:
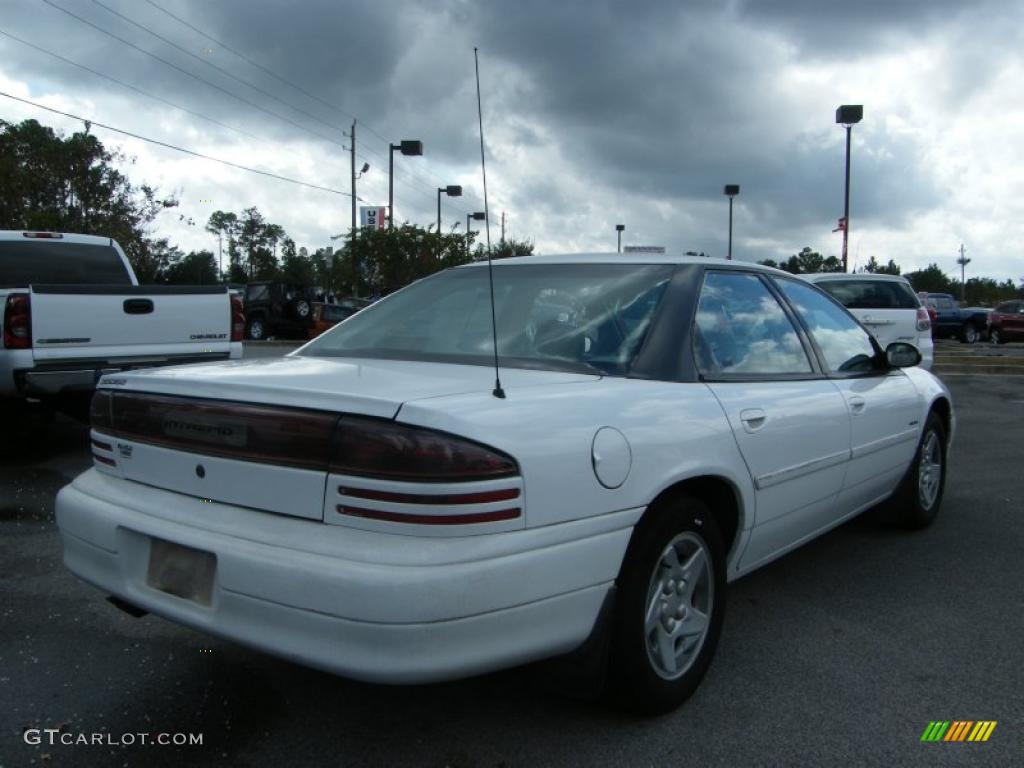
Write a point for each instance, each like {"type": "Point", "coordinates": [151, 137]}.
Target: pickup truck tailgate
{"type": "Point", "coordinates": [75, 322]}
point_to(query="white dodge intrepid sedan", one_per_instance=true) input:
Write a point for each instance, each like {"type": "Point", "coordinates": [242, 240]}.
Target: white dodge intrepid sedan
{"type": "Point", "coordinates": [374, 504]}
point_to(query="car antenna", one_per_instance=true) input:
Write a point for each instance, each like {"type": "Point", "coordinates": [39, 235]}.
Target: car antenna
{"type": "Point", "coordinates": [498, 391]}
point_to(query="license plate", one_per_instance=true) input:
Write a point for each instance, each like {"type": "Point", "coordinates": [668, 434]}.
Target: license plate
{"type": "Point", "coordinates": [181, 571]}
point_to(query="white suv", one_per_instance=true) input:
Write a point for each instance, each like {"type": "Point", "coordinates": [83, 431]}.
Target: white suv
{"type": "Point", "coordinates": [885, 304]}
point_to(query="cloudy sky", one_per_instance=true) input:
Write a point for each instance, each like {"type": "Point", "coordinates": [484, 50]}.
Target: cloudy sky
{"type": "Point", "coordinates": [595, 113]}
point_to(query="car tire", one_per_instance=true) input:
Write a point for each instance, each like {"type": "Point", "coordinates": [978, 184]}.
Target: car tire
{"type": "Point", "coordinates": [916, 502]}
{"type": "Point", "coordinates": [995, 337]}
{"type": "Point", "coordinates": [970, 334]}
{"type": "Point", "coordinates": [301, 309]}
{"type": "Point", "coordinates": [256, 330]}
{"type": "Point", "coordinates": [669, 608]}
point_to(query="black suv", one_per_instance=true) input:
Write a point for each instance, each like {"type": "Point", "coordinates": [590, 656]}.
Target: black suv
{"type": "Point", "coordinates": [277, 309]}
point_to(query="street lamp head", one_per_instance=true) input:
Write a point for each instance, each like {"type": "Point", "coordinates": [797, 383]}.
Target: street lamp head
{"type": "Point", "coordinates": [411, 147]}
{"type": "Point", "coordinates": [848, 114]}
{"type": "Point", "coordinates": [453, 190]}
{"type": "Point", "coordinates": [620, 227]}
{"type": "Point", "coordinates": [366, 167]}
{"type": "Point", "coordinates": [478, 215]}
{"type": "Point", "coordinates": [732, 189]}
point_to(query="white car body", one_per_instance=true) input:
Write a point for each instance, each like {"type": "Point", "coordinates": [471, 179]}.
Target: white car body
{"type": "Point", "coordinates": [83, 325]}
{"type": "Point", "coordinates": [883, 318]}
{"type": "Point", "coordinates": [404, 602]}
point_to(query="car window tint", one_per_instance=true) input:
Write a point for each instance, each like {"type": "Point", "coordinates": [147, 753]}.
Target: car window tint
{"type": "Point", "coordinates": [23, 263]}
{"type": "Point", "coordinates": [871, 294]}
{"type": "Point", "coordinates": [742, 329]}
{"type": "Point", "coordinates": [580, 317]}
{"type": "Point", "coordinates": [846, 346]}
{"type": "Point", "coordinates": [257, 293]}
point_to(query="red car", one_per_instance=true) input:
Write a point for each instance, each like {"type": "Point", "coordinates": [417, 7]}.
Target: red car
{"type": "Point", "coordinates": [1006, 322]}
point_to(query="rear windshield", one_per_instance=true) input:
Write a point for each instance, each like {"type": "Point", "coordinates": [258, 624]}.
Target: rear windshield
{"type": "Point", "coordinates": [590, 318]}
{"type": "Point", "coordinates": [871, 294]}
{"type": "Point", "coordinates": [27, 262]}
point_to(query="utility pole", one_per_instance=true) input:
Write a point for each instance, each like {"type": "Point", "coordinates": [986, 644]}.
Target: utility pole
{"type": "Point", "coordinates": [352, 158]}
{"type": "Point", "coordinates": [503, 227]}
{"type": "Point", "coordinates": [963, 261]}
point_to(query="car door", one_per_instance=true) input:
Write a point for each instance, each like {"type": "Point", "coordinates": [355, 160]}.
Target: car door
{"type": "Point", "coordinates": [791, 424]}
{"type": "Point", "coordinates": [885, 407]}
{"type": "Point", "coordinates": [1013, 321]}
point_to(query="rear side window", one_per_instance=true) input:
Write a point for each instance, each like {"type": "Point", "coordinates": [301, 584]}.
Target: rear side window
{"type": "Point", "coordinates": [871, 294]}
{"type": "Point", "coordinates": [1007, 308]}
{"type": "Point", "coordinates": [257, 293]}
{"type": "Point", "coordinates": [23, 263]}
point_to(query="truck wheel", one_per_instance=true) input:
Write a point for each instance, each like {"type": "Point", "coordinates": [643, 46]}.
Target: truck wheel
{"type": "Point", "coordinates": [970, 333]}
{"type": "Point", "coordinates": [256, 330]}
{"type": "Point", "coordinates": [994, 337]}
{"type": "Point", "coordinates": [301, 309]}
{"type": "Point", "coordinates": [669, 608]}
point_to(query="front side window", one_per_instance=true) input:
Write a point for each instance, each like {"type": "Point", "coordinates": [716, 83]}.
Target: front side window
{"type": "Point", "coordinates": [742, 329]}
{"type": "Point", "coordinates": [846, 346]}
{"type": "Point", "coordinates": [589, 318]}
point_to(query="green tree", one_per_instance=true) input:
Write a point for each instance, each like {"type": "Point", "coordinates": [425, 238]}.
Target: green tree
{"type": "Point", "coordinates": [154, 261]}
{"type": "Point", "coordinates": [391, 259]}
{"type": "Point", "coordinates": [197, 268]}
{"type": "Point", "coordinates": [224, 224]}
{"type": "Point", "coordinates": [873, 267]}
{"type": "Point", "coordinates": [808, 261]}
{"type": "Point", "coordinates": [931, 279]}
{"type": "Point", "coordinates": [71, 184]}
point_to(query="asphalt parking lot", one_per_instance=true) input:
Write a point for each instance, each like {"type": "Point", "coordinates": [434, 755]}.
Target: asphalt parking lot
{"type": "Point", "coordinates": [839, 654]}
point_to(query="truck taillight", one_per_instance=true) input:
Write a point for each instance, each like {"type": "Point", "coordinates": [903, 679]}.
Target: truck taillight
{"type": "Point", "coordinates": [18, 322]}
{"type": "Point", "coordinates": [43, 235]}
{"type": "Point", "coordinates": [237, 318]}
{"type": "Point", "coordinates": [383, 449]}
{"type": "Point", "coordinates": [924, 321]}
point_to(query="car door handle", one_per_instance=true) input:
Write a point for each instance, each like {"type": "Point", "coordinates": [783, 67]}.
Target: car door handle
{"type": "Point", "coordinates": [857, 404]}
{"type": "Point", "coordinates": [753, 419]}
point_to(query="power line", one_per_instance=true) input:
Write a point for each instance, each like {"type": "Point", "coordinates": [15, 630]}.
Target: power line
{"type": "Point", "coordinates": [209, 63]}
{"type": "Point", "coordinates": [134, 88]}
{"type": "Point", "coordinates": [284, 80]}
{"type": "Point", "coordinates": [177, 148]}
{"type": "Point", "coordinates": [193, 76]}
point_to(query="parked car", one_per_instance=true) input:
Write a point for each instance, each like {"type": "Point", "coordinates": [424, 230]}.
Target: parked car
{"type": "Point", "coordinates": [885, 304]}
{"type": "Point", "coordinates": [677, 424]}
{"type": "Point", "coordinates": [1006, 323]}
{"type": "Point", "coordinates": [327, 315]}
{"type": "Point", "coordinates": [72, 310]}
{"type": "Point", "coordinates": [278, 309]}
{"type": "Point", "coordinates": [969, 324]}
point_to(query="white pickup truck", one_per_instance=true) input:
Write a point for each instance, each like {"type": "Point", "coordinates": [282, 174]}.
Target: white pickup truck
{"type": "Point", "coordinates": [72, 310]}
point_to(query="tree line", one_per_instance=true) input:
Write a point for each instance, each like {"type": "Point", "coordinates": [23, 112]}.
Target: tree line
{"type": "Point", "coordinates": [70, 184]}
{"type": "Point", "coordinates": [984, 291]}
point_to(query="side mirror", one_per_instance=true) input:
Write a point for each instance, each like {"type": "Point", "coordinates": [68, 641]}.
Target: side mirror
{"type": "Point", "coordinates": [902, 355]}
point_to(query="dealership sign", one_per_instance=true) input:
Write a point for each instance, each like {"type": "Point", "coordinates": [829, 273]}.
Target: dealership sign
{"type": "Point", "coordinates": [373, 216]}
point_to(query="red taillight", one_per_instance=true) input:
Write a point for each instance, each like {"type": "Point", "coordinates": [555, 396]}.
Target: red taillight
{"type": "Point", "coordinates": [237, 318]}
{"type": "Point", "coordinates": [417, 519]}
{"type": "Point", "coordinates": [924, 321]}
{"type": "Point", "coordinates": [99, 411]}
{"type": "Point", "coordinates": [378, 448]}
{"type": "Point", "coordinates": [18, 322]}
{"type": "Point", "coordinates": [479, 497]}
{"type": "Point", "coordinates": [43, 235]}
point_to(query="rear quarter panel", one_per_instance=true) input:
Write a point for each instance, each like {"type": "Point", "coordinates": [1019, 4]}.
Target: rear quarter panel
{"type": "Point", "coordinates": [674, 430]}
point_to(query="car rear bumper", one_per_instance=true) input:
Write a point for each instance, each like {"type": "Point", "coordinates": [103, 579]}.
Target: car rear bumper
{"type": "Point", "coordinates": [371, 606]}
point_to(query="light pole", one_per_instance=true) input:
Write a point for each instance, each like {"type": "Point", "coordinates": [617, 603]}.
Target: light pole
{"type": "Point", "coordinates": [452, 190]}
{"type": "Point", "coordinates": [618, 233]}
{"type": "Point", "coordinates": [847, 115]}
{"type": "Point", "coordinates": [478, 216]}
{"type": "Point", "coordinates": [963, 261]}
{"type": "Point", "coordinates": [731, 190]}
{"type": "Point", "coordinates": [406, 147]}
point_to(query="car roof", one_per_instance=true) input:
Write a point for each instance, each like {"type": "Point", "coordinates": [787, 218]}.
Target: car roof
{"type": "Point", "coordinates": [635, 259]}
{"type": "Point", "coordinates": [65, 237]}
{"type": "Point", "coordinates": [867, 277]}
